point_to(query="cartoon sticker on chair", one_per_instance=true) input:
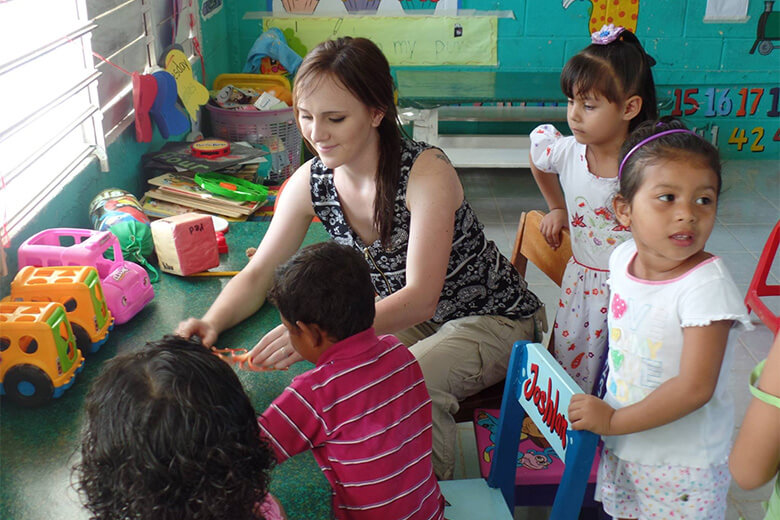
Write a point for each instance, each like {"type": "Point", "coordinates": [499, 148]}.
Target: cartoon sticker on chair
{"type": "Point", "coordinates": [531, 458]}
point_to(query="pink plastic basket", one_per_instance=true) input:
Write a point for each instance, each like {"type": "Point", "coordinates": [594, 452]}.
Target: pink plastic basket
{"type": "Point", "coordinates": [262, 128]}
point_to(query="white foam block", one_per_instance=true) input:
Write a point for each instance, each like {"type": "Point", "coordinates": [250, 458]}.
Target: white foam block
{"type": "Point", "coordinates": [185, 244]}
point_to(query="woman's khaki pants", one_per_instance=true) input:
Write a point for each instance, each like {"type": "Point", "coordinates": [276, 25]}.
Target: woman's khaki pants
{"type": "Point", "coordinates": [460, 358]}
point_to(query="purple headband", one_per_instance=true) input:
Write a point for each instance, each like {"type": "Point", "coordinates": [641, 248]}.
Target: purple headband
{"type": "Point", "coordinates": [646, 140]}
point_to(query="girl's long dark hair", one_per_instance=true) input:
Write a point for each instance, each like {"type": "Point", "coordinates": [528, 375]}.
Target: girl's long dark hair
{"type": "Point", "coordinates": [359, 65]}
{"type": "Point", "coordinates": [617, 71]}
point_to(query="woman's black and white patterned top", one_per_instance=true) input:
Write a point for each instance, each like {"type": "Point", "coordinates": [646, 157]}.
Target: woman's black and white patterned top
{"type": "Point", "coordinates": [479, 279]}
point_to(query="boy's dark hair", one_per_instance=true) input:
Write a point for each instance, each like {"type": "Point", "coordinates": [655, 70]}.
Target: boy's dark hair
{"type": "Point", "coordinates": [670, 147]}
{"type": "Point", "coordinates": [326, 284]}
{"type": "Point", "coordinates": [170, 434]}
{"type": "Point", "coordinates": [617, 71]}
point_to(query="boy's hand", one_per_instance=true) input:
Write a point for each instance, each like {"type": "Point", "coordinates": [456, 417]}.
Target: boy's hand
{"type": "Point", "coordinates": [551, 226]}
{"type": "Point", "coordinates": [587, 412]}
{"type": "Point", "coordinates": [275, 350]}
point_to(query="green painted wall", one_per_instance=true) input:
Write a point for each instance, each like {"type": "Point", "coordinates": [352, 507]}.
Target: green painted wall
{"type": "Point", "coordinates": [690, 54]}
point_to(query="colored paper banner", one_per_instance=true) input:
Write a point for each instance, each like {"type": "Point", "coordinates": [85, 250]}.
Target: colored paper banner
{"type": "Point", "coordinates": [408, 40]}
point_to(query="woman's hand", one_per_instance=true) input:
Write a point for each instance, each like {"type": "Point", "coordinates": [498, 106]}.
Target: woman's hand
{"type": "Point", "coordinates": [275, 350]}
{"type": "Point", "coordinates": [551, 226]}
{"type": "Point", "coordinates": [587, 412]}
{"type": "Point", "coordinates": [200, 328]}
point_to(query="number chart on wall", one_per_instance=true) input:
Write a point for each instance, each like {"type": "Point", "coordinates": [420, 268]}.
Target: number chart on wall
{"type": "Point", "coordinates": [743, 121]}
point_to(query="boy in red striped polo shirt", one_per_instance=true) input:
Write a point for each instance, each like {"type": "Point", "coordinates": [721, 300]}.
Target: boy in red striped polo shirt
{"type": "Point", "coordinates": [363, 410]}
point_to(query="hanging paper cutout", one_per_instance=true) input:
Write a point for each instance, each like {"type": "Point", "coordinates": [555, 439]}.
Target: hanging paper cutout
{"type": "Point", "coordinates": [144, 93]}
{"type": "Point", "coordinates": [191, 93]}
{"type": "Point", "coordinates": [165, 112]}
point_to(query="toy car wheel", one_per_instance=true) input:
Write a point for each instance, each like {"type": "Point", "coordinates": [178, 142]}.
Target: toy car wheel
{"type": "Point", "coordinates": [83, 341]}
{"type": "Point", "coordinates": [28, 385]}
{"type": "Point", "coordinates": [765, 47]}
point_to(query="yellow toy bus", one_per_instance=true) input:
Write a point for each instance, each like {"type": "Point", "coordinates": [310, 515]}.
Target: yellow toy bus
{"type": "Point", "coordinates": [38, 355]}
{"type": "Point", "coordinates": [79, 290]}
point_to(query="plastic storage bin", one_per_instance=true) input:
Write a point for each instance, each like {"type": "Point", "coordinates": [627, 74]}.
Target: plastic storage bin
{"type": "Point", "coordinates": [275, 129]}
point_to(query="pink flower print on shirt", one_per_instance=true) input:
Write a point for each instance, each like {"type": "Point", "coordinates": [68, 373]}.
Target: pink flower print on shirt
{"type": "Point", "coordinates": [618, 306]}
{"type": "Point", "coordinates": [578, 220]}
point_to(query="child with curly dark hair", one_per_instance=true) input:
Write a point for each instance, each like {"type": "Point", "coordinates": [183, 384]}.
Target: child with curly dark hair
{"type": "Point", "coordinates": [363, 410]}
{"type": "Point", "coordinates": [170, 434]}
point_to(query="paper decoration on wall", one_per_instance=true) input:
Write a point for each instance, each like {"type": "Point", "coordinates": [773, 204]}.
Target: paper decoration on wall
{"type": "Point", "coordinates": [419, 6]}
{"type": "Point", "coordinates": [144, 94]}
{"type": "Point", "coordinates": [300, 6]}
{"type": "Point", "coordinates": [367, 6]}
{"type": "Point", "coordinates": [165, 112]}
{"type": "Point", "coordinates": [209, 8]}
{"type": "Point", "coordinates": [604, 12]}
{"type": "Point", "coordinates": [410, 40]}
{"type": "Point", "coordinates": [324, 8]}
{"type": "Point", "coordinates": [191, 93]}
{"type": "Point", "coordinates": [767, 30]}
{"type": "Point", "coordinates": [726, 10]}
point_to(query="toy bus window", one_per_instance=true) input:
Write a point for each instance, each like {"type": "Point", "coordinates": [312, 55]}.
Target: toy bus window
{"type": "Point", "coordinates": [63, 331]}
{"type": "Point", "coordinates": [4, 344]}
{"type": "Point", "coordinates": [98, 292]}
{"type": "Point", "coordinates": [70, 305]}
{"type": "Point", "coordinates": [28, 344]}
{"type": "Point", "coordinates": [67, 240]}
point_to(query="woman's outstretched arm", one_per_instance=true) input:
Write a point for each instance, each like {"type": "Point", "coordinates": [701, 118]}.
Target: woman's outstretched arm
{"type": "Point", "coordinates": [245, 293]}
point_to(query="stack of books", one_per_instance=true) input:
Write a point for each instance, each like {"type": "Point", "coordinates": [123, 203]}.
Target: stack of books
{"type": "Point", "coordinates": [176, 193]}
{"type": "Point", "coordinates": [173, 190]}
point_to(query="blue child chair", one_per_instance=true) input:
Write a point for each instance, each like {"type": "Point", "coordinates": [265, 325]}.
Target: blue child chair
{"type": "Point", "coordinates": [536, 387]}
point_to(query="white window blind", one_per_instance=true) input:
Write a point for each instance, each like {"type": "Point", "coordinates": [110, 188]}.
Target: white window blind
{"type": "Point", "coordinates": [132, 34]}
{"type": "Point", "coordinates": [59, 103]}
{"type": "Point", "coordinates": [49, 113]}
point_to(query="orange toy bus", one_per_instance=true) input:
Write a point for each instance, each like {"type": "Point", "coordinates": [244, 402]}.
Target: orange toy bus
{"type": "Point", "coordinates": [38, 355]}
{"type": "Point", "coordinates": [79, 290]}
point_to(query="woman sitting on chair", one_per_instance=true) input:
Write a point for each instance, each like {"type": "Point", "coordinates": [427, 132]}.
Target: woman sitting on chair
{"type": "Point", "coordinates": [444, 289]}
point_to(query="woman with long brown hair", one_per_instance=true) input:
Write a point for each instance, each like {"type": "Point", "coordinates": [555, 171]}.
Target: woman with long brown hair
{"type": "Point", "coordinates": [444, 290]}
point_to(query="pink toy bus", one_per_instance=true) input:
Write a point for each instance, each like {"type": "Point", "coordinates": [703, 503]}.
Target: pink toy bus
{"type": "Point", "coordinates": [126, 285]}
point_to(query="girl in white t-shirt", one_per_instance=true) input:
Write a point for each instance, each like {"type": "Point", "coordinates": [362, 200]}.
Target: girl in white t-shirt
{"type": "Point", "coordinates": [667, 416]}
{"type": "Point", "coordinates": [611, 91]}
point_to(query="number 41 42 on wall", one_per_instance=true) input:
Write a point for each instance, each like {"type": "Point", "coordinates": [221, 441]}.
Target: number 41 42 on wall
{"type": "Point", "coordinates": [738, 137]}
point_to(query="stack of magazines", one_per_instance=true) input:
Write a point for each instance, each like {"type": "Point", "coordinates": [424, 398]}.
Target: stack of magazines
{"type": "Point", "coordinates": [173, 189]}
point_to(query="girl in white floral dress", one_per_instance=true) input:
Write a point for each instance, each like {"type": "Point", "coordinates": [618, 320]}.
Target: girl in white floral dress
{"type": "Point", "coordinates": [611, 90]}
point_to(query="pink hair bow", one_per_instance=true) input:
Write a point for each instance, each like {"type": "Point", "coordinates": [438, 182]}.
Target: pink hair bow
{"type": "Point", "coordinates": [607, 34]}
